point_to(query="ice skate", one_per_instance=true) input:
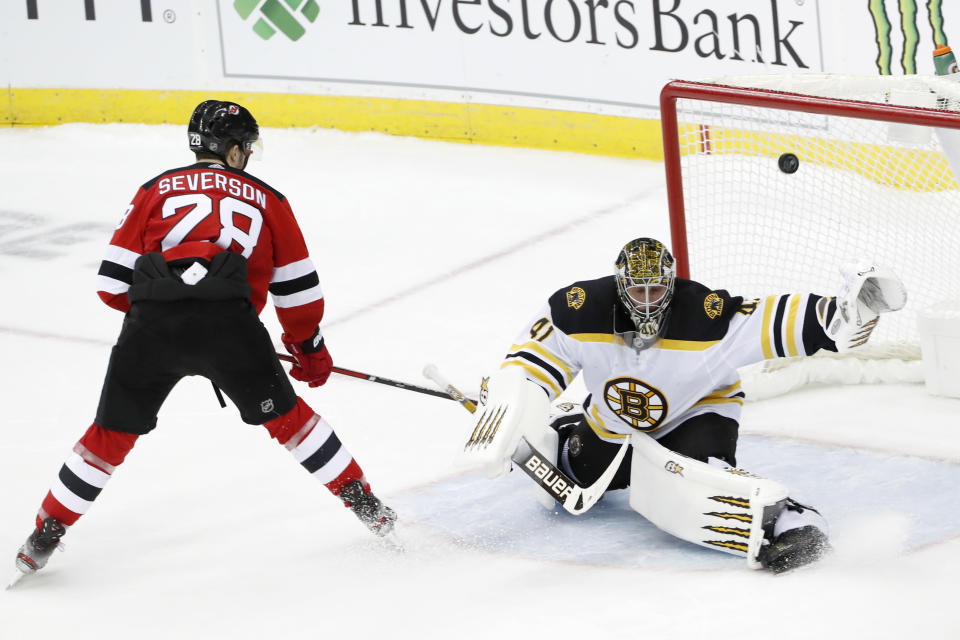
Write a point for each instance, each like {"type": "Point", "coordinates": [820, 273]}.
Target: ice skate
{"type": "Point", "coordinates": [800, 542]}
{"type": "Point", "coordinates": [795, 548]}
{"type": "Point", "coordinates": [377, 517]}
{"type": "Point", "coordinates": [38, 548]}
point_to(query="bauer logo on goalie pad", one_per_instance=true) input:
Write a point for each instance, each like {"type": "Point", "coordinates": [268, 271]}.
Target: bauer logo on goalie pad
{"type": "Point", "coordinates": [713, 305]}
{"type": "Point", "coordinates": [635, 402]}
{"type": "Point", "coordinates": [576, 297]}
{"type": "Point", "coordinates": [484, 390]}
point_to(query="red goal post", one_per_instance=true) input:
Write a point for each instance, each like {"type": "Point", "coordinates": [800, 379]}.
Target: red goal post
{"type": "Point", "coordinates": [871, 178]}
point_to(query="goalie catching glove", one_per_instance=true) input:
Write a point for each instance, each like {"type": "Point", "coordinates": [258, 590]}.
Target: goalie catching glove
{"type": "Point", "coordinates": [867, 291]}
{"type": "Point", "coordinates": [314, 363]}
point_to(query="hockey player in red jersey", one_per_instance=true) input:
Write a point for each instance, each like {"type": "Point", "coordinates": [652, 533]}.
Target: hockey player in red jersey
{"type": "Point", "coordinates": [190, 264]}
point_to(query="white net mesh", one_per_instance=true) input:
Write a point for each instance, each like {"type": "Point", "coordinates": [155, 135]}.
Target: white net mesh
{"type": "Point", "coordinates": [862, 188]}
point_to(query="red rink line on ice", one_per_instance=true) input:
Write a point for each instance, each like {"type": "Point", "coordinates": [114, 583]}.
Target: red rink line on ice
{"type": "Point", "coordinates": [28, 333]}
{"type": "Point", "coordinates": [417, 288]}
{"type": "Point", "coordinates": [46, 335]}
{"type": "Point", "coordinates": [488, 259]}
{"type": "Point", "coordinates": [941, 459]}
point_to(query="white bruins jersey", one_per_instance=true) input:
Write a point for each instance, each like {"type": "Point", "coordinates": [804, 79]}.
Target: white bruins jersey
{"type": "Point", "coordinates": [690, 370]}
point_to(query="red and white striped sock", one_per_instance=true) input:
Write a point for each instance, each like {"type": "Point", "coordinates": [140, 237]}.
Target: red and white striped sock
{"type": "Point", "coordinates": [85, 473]}
{"type": "Point", "coordinates": [316, 447]}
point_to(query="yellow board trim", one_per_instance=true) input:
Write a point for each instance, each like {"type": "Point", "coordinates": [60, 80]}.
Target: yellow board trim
{"type": "Point", "coordinates": [505, 126]}
{"type": "Point", "coordinates": [539, 350]}
{"type": "Point", "coordinates": [536, 373]}
{"type": "Point", "coordinates": [765, 336]}
{"type": "Point", "coordinates": [791, 326]}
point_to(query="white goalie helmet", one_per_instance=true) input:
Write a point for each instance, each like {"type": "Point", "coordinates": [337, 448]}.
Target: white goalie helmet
{"type": "Point", "coordinates": [645, 284]}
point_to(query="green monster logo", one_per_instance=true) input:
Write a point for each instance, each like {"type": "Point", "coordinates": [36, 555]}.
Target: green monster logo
{"type": "Point", "coordinates": [277, 15]}
{"type": "Point", "coordinates": [911, 33]}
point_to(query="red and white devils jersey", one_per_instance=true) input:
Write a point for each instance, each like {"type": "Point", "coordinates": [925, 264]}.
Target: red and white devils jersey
{"type": "Point", "coordinates": [691, 370]}
{"type": "Point", "coordinates": [206, 208]}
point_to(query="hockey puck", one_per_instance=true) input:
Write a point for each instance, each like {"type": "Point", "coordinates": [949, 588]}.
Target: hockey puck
{"type": "Point", "coordinates": [788, 163]}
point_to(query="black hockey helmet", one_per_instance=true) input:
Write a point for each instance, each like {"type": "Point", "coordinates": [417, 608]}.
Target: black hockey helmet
{"type": "Point", "coordinates": [216, 125]}
{"type": "Point", "coordinates": [645, 281]}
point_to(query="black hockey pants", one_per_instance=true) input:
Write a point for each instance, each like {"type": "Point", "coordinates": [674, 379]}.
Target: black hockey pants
{"type": "Point", "coordinates": [167, 336]}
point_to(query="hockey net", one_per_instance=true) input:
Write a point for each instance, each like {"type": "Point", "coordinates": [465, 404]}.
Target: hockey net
{"type": "Point", "coordinates": [872, 180]}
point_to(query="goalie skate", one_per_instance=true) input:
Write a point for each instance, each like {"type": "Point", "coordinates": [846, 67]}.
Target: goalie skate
{"type": "Point", "coordinates": [796, 546]}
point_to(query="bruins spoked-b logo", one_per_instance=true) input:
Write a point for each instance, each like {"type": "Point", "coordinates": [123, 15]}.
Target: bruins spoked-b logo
{"type": "Point", "coordinates": [713, 305]}
{"type": "Point", "coordinates": [635, 402]}
{"type": "Point", "coordinates": [576, 297]}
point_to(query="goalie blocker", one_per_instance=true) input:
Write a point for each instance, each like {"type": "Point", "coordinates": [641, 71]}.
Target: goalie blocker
{"type": "Point", "coordinates": [510, 426]}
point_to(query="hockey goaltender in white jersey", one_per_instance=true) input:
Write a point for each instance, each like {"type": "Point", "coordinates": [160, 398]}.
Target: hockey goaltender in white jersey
{"type": "Point", "coordinates": [659, 357]}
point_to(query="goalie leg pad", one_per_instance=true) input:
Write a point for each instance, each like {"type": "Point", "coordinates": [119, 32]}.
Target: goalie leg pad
{"type": "Point", "coordinates": [716, 507]}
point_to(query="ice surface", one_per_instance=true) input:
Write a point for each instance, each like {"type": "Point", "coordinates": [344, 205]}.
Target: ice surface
{"type": "Point", "coordinates": [428, 252]}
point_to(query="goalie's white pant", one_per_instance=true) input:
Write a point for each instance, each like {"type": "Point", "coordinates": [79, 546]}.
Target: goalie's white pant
{"type": "Point", "coordinates": [718, 507]}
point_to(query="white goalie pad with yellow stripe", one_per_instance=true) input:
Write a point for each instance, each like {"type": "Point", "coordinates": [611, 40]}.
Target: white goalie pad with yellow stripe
{"type": "Point", "coordinates": [510, 407]}
{"type": "Point", "coordinates": [712, 506]}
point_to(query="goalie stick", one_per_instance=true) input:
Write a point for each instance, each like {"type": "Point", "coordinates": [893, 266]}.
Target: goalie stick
{"type": "Point", "coordinates": [572, 497]}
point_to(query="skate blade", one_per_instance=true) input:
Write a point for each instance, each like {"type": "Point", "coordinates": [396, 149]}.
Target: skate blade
{"type": "Point", "coordinates": [17, 577]}
{"type": "Point", "coordinates": [392, 542]}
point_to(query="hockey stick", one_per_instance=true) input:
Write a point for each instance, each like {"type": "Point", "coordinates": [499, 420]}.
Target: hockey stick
{"type": "Point", "coordinates": [574, 498]}
{"type": "Point", "coordinates": [372, 378]}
